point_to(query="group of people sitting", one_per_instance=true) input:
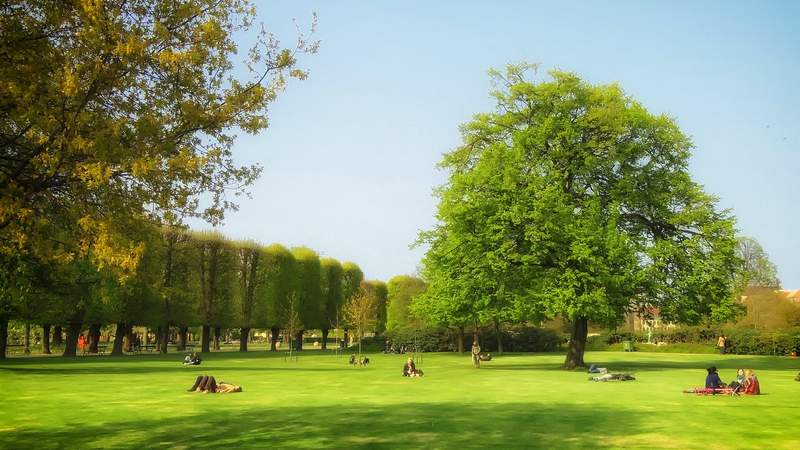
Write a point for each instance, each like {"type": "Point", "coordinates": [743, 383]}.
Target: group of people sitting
{"type": "Point", "coordinates": [410, 369]}
{"type": "Point", "coordinates": [192, 359]}
{"type": "Point", "coordinates": [362, 361]}
{"type": "Point", "coordinates": [391, 347]}
{"type": "Point", "coordinates": [746, 382]}
{"type": "Point", "coordinates": [207, 384]}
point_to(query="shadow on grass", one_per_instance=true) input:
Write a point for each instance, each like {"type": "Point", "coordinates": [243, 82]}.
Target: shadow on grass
{"type": "Point", "coordinates": [440, 425]}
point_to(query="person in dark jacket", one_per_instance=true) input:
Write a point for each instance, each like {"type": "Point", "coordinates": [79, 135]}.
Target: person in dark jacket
{"type": "Point", "coordinates": [712, 379]}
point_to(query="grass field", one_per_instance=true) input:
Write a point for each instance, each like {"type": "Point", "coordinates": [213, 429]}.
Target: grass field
{"type": "Point", "coordinates": [516, 401]}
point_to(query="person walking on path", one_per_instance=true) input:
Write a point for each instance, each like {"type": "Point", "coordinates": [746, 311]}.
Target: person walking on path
{"type": "Point", "coordinates": [476, 355]}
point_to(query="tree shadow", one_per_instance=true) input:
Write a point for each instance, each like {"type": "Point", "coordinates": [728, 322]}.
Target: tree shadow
{"type": "Point", "coordinates": [421, 425]}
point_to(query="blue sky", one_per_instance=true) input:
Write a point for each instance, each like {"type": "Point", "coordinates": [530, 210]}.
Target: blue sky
{"type": "Point", "coordinates": [349, 158]}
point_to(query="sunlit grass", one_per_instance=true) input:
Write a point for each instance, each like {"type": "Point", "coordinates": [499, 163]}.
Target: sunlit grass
{"type": "Point", "coordinates": [319, 401]}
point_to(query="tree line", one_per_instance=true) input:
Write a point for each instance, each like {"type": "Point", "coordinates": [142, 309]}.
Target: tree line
{"type": "Point", "coordinates": [198, 279]}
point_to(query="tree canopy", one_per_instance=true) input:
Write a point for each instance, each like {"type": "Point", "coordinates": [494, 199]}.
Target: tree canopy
{"type": "Point", "coordinates": [572, 200]}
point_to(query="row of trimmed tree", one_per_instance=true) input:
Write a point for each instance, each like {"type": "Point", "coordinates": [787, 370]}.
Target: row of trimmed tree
{"type": "Point", "coordinates": [195, 279]}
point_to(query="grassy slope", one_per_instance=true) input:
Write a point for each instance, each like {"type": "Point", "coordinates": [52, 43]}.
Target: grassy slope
{"type": "Point", "coordinates": [319, 401]}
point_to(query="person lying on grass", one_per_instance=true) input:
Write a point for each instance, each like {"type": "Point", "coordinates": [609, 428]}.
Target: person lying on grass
{"type": "Point", "coordinates": [207, 384]}
{"type": "Point", "coordinates": [410, 370]}
{"type": "Point", "coordinates": [613, 377]}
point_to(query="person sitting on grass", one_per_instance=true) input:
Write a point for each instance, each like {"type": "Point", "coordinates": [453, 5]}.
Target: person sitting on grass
{"type": "Point", "coordinates": [751, 385]}
{"type": "Point", "coordinates": [192, 359]}
{"type": "Point", "coordinates": [485, 356]}
{"type": "Point", "coordinates": [352, 360]}
{"type": "Point", "coordinates": [713, 381]}
{"type": "Point", "coordinates": [207, 384]}
{"type": "Point", "coordinates": [738, 383]}
{"type": "Point", "coordinates": [363, 361]}
{"type": "Point", "coordinates": [410, 369]}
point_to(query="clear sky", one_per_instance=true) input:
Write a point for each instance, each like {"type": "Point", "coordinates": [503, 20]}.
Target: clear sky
{"type": "Point", "coordinates": [349, 158]}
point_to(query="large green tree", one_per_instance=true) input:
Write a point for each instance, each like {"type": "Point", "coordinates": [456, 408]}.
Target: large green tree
{"type": "Point", "coordinates": [332, 295]}
{"type": "Point", "coordinates": [124, 110]}
{"type": "Point", "coordinates": [308, 292]}
{"type": "Point", "coordinates": [756, 269]}
{"type": "Point", "coordinates": [277, 270]}
{"type": "Point", "coordinates": [401, 290]}
{"type": "Point", "coordinates": [214, 275]}
{"type": "Point", "coordinates": [572, 200]}
{"type": "Point", "coordinates": [248, 259]}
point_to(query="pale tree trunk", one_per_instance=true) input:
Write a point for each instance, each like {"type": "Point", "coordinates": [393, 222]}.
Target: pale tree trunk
{"type": "Point", "coordinates": [243, 338]}
{"type": "Point", "coordinates": [217, 332]}
{"type": "Point", "coordinates": [577, 343]}
{"type": "Point", "coordinates": [27, 340]}
{"type": "Point", "coordinates": [46, 338]}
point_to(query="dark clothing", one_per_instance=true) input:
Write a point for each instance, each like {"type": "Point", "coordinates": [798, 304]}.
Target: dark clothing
{"type": "Point", "coordinates": [204, 383]}
{"type": "Point", "coordinates": [713, 381]}
{"type": "Point", "coordinates": [409, 369]}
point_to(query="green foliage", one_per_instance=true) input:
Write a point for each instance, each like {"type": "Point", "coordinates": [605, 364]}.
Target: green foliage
{"type": "Point", "coordinates": [572, 200]}
{"type": "Point", "coordinates": [522, 338]}
{"type": "Point", "coordinates": [277, 272]}
{"type": "Point", "coordinates": [378, 291]}
{"type": "Point", "coordinates": [121, 113]}
{"type": "Point", "coordinates": [309, 294]}
{"type": "Point", "coordinates": [214, 278]}
{"type": "Point", "coordinates": [402, 290]}
{"type": "Point", "coordinates": [352, 276]}
{"type": "Point", "coordinates": [331, 285]}
{"type": "Point", "coordinates": [756, 269]}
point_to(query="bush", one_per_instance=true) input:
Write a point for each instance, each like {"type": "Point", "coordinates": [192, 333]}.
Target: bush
{"type": "Point", "coordinates": [429, 339]}
{"type": "Point", "coordinates": [522, 339]}
{"type": "Point", "coordinates": [747, 341]}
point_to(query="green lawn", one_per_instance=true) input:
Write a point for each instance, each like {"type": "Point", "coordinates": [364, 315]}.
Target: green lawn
{"type": "Point", "coordinates": [516, 401]}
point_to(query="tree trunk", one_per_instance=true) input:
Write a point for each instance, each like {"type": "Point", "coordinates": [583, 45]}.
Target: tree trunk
{"type": "Point", "coordinates": [499, 336]}
{"type": "Point", "coordinates": [460, 338]}
{"type": "Point", "coordinates": [325, 339]}
{"type": "Point", "coordinates": [164, 339]}
{"type": "Point", "coordinates": [3, 335]}
{"type": "Point", "coordinates": [94, 337]}
{"type": "Point", "coordinates": [57, 335]}
{"type": "Point", "coordinates": [577, 343]}
{"type": "Point", "coordinates": [217, 331]}
{"type": "Point", "coordinates": [243, 338]}
{"type": "Point", "coordinates": [182, 332]}
{"type": "Point", "coordinates": [46, 339]}
{"type": "Point", "coordinates": [299, 340]}
{"type": "Point", "coordinates": [205, 336]}
{"type": "Point", "coordinates": [275, 336]}
{"type": "Point", "coordinates": [475, 339]}
{"type": "Point", "coordinates": [129, 339]}
{"type": "Point", "coordinates": [71, 344]}
{"type": "Point", "coordinates": [26, 348]}
{"type": "Point", "coordinates": [119, 338]}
